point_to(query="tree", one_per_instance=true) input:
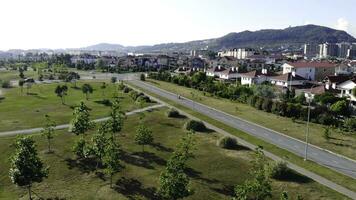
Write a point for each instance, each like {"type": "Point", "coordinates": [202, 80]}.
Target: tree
{"type": "Point", "coordinates": [326, 133]}
{"type": "Point", "coordinates": [61, 91]}
{"type": "Point", "coordinates": [113, 79]}
{"type": "Point", "coordinates": [48, 131]}
{"type": "Point", "coordinates": [26, 167]}
{"type": "Point", "coordinates": [143, 136]}
{"type": "Point", "coordinates": [116, 120]}
{"type": "Point", "coordinates": [103, 87]}
{"type": "Point", "coordinates": [81, 121]}
{"type": "Point", "coordinates": [340, 108]}
{"type": "Point", "coordinates": [259, 185]}
{"type": "Point", "coordinates": [142, 77]}
{"type": "Point", "coordinates": [21, 83]}
{"type": "Point", "coordinates": [80, 148]}
{"type": "Point", "coordinates": [284, 195]}
{"type": "Point", "coordinates": [22, 76]}
{"type": "Point", "coordinates": [99, 142]}
{"type": "Point", "coordinates": [86, 89]}
{"type": "Point", "coordinates": [111, 160]}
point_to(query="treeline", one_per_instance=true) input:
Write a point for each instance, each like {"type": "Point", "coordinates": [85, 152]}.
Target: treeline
{"type": "Point", "coordinates": [326, 108]}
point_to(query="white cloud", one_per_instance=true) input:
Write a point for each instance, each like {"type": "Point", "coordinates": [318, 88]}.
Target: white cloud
{"type": "Point", "coordinates": [342, 24]}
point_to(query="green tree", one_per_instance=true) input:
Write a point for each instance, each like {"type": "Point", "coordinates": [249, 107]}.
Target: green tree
{"type": "Point", "coordinates": [142, 77]}
{"type": "Point", "coordinates": [87, 89]}
{"type": "Point", "coordinates": [80, 148]}
{"type": "Point", "coordinates": [117, 117]}
{"type": "Point", "coordinates": [26, 167]}
{"type": "Point", "coordinates": [99, 142]}
{"type": "Point", "coordinates": [327, 133]}
{"type": "Point", "coordinates": [81, 120]}
{"type": "Point", "coordinates": [143, 136]}
{"type": "Point", "coordinates": [113, 79]}
{"type": "Point", "coordinates": [103, 87]}
{"type": "Point", "coordinates": [48, 131]}
{"type": "Point", "coordinates": [284, 195]}
{"type": "Point", "coordinates": [259, 185]}
{"type": "Point", "coordinates": [111, 160]}
{"type": "Point", "coordinates": [61, 91]}
{"type": "Point", "coordinates": [340, 108]}
{"type": "Point", "coordinates": [21, 84]}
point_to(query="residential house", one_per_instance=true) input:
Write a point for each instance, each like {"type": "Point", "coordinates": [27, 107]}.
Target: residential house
{"type": "Point", "coordinates": [229, 74]}
{"type": "Point", "coordinates": [254, 77]}
{"type": "Point", "coordinates": [347, 88]}
{"type": "Point", "coordinates": [287, 80]}
{"type": "Point", "coordinates": [332, 82]}
{"type": "Point", "coordinates": [310, 70]}
{"type": "Point", "coordinates": [215, 71]}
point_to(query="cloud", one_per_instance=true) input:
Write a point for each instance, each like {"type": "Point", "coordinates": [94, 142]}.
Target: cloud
{"type": "Point", "coordinates": [342, 24]}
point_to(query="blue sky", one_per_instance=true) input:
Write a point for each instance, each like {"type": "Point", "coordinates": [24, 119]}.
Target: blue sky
{"type": "Point", "coordinates": [75, 23]}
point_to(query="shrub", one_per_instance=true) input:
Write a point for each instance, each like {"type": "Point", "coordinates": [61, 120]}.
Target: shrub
{"type": "Point", "coordinates": [5, 84]}
{"type": "Point", "coordinates": [275, 107]}
{"type": "Point", "coordinates": [279, 170]}
{"type": "Point", "coordinates": [227, 143]}
{"type": "Point", "coordinates": [350, 124]}
{"type": "Point", "coordinates": [142, 77]}
{"type": "Point", "coordinates": [326, 119]}
{"type": "Point", "coordinates": [195, 126]}
{"type": "Point", "coordinates": [173, 113]}
{"type": "Point", "coordinates": [259, 102]}
{"type": "Point", "coordinates": [126, 89]}
{"type": "Point", "coordinates": [121, 86]}
{"type": "Point", "coordinates": [267, 105]}
{"type": "Point", "coordinates": [143, 98]}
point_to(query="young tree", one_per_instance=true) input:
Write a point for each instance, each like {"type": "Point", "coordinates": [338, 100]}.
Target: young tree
{"type": "Point", "coordinates": [111, 160]}
{"type": "Point", "coordinates": [340, 108]}
{"type": "Point", "coordinates": [26, 167]}
{"type": "Point", "coordinates": [80, 148]}
{"type": "Point", "coordinates": [81, 121]}
{"type": "Point", "coordinates": [21, 83]}
{"type": "Point", "coordinates": [327, 133]}
{"type": "Point", "coordinates": [284, 195]}
{"type": "Point", "coordinates": [103, 87]}
{"type": "Point", "coordinates": [143, 136]}
{"type": "Point", "coordinates": [142, 77]}
{"type": "Point", "coordinates": [116, 120]}
{"type": "Point", "coordinates": [87, 89]}
{"type": "Point", "coordinates": [113, 79]}
{"type": "Point", "coordinates": [99, 142]}
{"type": "Point", "coordinates": [61, 91]}
{"type": "Point", "coordinates": [48, 131]}
{"type": "Point", "coordinates": [22, 76]}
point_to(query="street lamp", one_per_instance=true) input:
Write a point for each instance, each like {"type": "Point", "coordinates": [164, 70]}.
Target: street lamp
{"type": "Point", "coordinates": [307, 131]}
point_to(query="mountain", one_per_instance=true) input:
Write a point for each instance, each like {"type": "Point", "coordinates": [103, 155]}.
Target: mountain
{"type": "Point", "coordinates": [292, 36]}
{"type": "Point", "coordinates": [105, 47]}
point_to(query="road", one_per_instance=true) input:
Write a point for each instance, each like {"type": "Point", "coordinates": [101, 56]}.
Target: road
{"type": "Point", "coordinates": [65, 126]}
{"type": "Point", "coordinates": [322, 157]}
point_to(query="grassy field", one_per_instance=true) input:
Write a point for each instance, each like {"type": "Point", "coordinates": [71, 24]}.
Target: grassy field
{"type": "Point", "coordinates": [344, 144]}
{"type": "Point", "coordinates": [14, 74]}
{"type": "Point", "coordinates": [338, 178]}
{"type": "Point", "coordinates": [21, 111]}
{"type": "Point", "coordinates": [213, 172]}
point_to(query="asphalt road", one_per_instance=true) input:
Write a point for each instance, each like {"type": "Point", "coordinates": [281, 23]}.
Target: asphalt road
{"type": "Point", "coordinates": [325, 158]}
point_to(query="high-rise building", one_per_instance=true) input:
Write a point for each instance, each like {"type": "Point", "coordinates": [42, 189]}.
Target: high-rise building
{"type": "Point", "coordinates": [311, 50]}
{"type": "Point", "coordinates": [343, 49]}
{"type": "Point", "coordinates": [351, 53]}
{"type": "Point", "coordinates": [328, 50]}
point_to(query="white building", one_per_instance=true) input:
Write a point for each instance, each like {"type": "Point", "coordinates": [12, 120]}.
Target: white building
{"type": "Point", "coordinates": [310, 70]}
{"type": "Point", "coordinates": [346, 89]}
{"type": "Point", "coordinates": [240, 54]}
{"type": "Point", "coordinates": [229, 74]}
{"type": "Point", "coordinates": [288, 79]}
{"type": "Point", "coordinates": [254, 77]}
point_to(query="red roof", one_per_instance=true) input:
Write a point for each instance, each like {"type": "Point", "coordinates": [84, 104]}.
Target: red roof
{"type": "Point", "coordinates": [312, 64]}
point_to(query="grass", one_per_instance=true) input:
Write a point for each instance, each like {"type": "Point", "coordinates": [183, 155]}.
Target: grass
{"type": "Point", "coordinates": [21, 111]}
{"type": "Point", "coordinates": [338, 178]}
{"type": "Point", "coordinates": [344, 144]}
{"type": "Point", "coordinates": [213, 172]}
{"type": "Point", "coordinates": [14, 75]}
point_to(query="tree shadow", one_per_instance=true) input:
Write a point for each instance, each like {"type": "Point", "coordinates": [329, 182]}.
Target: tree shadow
{"type": "Point", "coordinates": [192, 173]}
{"type": "Point", "coordinates": [151, 157]}
{"type": "Point", "coordinates": [31, 93]}
{"type": "Point", "coordinates": [85, 165]}
{"type": "Point", "coordinates": [239, 148]}
{"type": "Point", "coordinates": [105, 102]}
{"type": "Point", "coordinates": [136, 160]}
{"type": "Point", "coordinates": [292, 176]}
{"type": "Point", "coordinates": [227, 190]}
{"type": "Point", "coordinates": [160, 147]}
{"type": "Point", "coordinates": [131, 187]}
{"type": "Point", "coordinates": [341, 145]}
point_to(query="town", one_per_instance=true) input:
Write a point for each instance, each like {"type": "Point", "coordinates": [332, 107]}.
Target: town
{"type": "Point", "coordinates": [183, 108]}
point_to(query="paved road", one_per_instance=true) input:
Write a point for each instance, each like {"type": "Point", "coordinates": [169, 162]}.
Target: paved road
{"type": "Point", "coordinates": [333, 161]}
{"type": "Point", "coordinates": [64, 126]}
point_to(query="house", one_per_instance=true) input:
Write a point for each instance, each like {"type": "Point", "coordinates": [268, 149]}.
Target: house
{"type": "Point", "coordinates": [226, 61]}
{"type": "Point", "coordinates": [346, 89]}
{"type": "Point", "coordinates": [229, 74]}
{"type": "Point", "coordinates": [215, 71]}
{"type": "Point", "coordinates": [196, 63]}
{"type": "Point", "coordinates": [310, 70]}
{"type": "Point", "coordinates": [254, 77]}
{"type": "Point", "coordinates": [183, 70]}
{"type": "Point", "coordinates": [286, 80]}
{"type": "Point", "coordinates": [331, 82]}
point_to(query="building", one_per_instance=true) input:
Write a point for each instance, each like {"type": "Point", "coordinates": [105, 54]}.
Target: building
{"type": "Point", "coordinates": [328, 50]}
{"type": "Point", "coordinates": [254, 77]}
{"type": "Point", "coordinates": [332, 82]}
{"type": "Point", "coordinates": [287, 80]}
{"type": "Point", "coordinates": [310, 70]}
{"type": "Point", "coordinates": [229, 74]}
{"type": "Point", "coordinates": [346, 89]}
{"type": "Point", "coordinates": [215, 71]}
{"type": "Point", "coordinates": [238, 53]}
{"type": "Point", "coordinates": [351, 52]}
{"type": "Point", "coordinates": [343, 49]}
{"type": "Point", "coordinates": [311, 50]}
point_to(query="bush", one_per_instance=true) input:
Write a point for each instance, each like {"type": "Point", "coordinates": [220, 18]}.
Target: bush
{"type": "Point", "coordinates": [227, 143]}
{"type": "Point", "coordinates": [143, 98]}
{"type": "Point", "coordinates": [126, 89]}
{"type": "Point", "coordinates": [5, 84]}
{"type": "Point", "coordinates": [326, 119]}
{"type": "Point", "coordinates": [350, 124]}
{"type": "Point", "coordinates": [259, 102]}
{"type": "Point", "coordinates": [142, 77]}
{"type": "Point", "coordinates": [121, 86]}
{"type": "Point", "coordinates": [279, 170]}
{"type": "Point", "coordinates": [173, 113]}
{"type": "Point", "coordinates": [195, 126]}
{"type": "Point", "coordinates": [267, 105]}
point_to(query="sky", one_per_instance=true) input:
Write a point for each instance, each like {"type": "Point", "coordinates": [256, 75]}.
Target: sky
{"type": "Point", "coordinates": [30, 24]}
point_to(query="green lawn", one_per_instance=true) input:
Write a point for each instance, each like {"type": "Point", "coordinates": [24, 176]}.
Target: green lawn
{"type": "Point", "coordinates": [14, 74]}
{"type": "Point", "coordinates": [344, 144]}
{"type": "Point", "coordinates": [213, 172]}
{"type": "Point", "coordinates": [21, 111]}
{"type": "Point", "coordinates": [325, 172]}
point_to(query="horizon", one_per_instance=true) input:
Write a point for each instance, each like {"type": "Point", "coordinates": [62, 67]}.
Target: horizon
{"type": "Point", "coordinates": [66, 25]}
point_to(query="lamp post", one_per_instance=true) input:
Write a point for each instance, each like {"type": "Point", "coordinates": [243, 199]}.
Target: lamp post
{"type": "Point", "coordinates": [307, 131]}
